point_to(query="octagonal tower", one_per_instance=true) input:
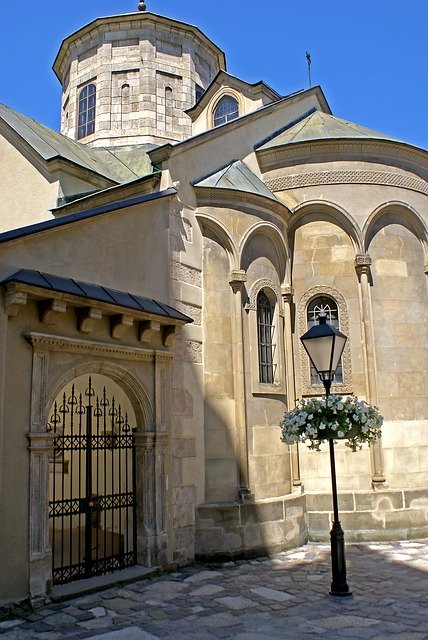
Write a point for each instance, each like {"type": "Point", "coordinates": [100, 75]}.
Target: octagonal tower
{"type": "Point", "coordinates": [128, 79]}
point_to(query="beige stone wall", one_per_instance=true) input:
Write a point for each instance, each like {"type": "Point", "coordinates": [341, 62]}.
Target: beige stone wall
{"type": "Point", "coordinates": [221, 464]}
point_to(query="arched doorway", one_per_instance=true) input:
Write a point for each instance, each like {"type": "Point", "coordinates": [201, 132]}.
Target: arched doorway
{"type": "Point", "coordinates": [92, 501]}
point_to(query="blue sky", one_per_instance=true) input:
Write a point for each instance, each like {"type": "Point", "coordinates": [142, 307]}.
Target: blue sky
{"type": "Point", "coordinates": [368, 56]}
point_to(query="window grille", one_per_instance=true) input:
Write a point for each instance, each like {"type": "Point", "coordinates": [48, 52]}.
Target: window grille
{"type": "Point", "coordinates": [328, 307]}
{"type": "Point", "coordinates": [265, 335]}
{"type": "Point", "coordinates": [86, 111]}
{"type": "Point", "coordinates": [226, 110]}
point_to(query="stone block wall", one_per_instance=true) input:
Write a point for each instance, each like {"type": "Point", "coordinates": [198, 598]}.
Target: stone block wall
{"type": "Point", "coordinates": [145, 73]}
{"type": "Point", "coordinates": [365, 516]}
{"type": "Point", "coordinates": [230, 530]}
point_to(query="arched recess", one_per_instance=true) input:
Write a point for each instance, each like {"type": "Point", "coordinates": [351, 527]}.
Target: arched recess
{"type": "Point", "coordinates": [133, 389]}
{"type": "Point", "coordinates": [92, 479]}
{"type": "Point", "coordinates": [317, 211]}
{"type": "Point", "coordinates": [396, 213]}
{"type": "Point", "coordinates": [275, 249]}
{"type": "Point", "coordinates": [219, 261]}
{"type": "Point", "coordinates": [213, 229]}
{"type": "Point", "coordinates": [396, 240]}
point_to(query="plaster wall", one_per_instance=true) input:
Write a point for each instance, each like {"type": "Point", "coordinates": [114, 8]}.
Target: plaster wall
{"type": "Point", "coordinates": [27, 194]}
{"type": "Point", "coordinates": [99, 250]}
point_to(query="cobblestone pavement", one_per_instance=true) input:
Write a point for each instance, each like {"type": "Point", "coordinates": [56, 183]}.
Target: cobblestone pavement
{"type": "Point", "coordinates": [284, 597]}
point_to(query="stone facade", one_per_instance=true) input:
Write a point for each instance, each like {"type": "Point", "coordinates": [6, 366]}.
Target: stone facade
{"type": "Point", "coordinates": [221, 218]}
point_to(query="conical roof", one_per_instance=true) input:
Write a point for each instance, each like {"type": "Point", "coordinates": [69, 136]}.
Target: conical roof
{"type": "Point", "coordinates": [236, 176]}
{"type": "Point", "coordinates": [323, 126]}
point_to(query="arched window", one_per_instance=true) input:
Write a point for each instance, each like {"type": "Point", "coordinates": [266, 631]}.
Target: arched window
{"type": "Point", "coordinates": [226, 110]}
{"type": "Point", "coordinates": [86, 111]}
{"type": "Point", "coordinates": [265, 337]}
{"type": "Point", "coordinates": [327, 306]}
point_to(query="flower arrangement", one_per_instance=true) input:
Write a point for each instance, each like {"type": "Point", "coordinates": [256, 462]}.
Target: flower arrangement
{"type": "Point", "coordinates": [319, 419]}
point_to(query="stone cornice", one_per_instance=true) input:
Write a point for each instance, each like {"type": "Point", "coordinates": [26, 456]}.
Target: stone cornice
{"type": "Point", "coordinates": [380, 151]}
{"type": "Point", "coordinates": [385, 178]}
{"type": "Point", "coordinates": [214, 196]}
{"type": "Point", "coordinates": [50, 342]}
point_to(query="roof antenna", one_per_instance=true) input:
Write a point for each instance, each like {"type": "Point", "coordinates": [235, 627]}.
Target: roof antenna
{"type": "Point", "coordinates": [141, 6]}
{"type": "Point", "coordinates": [309, 60]}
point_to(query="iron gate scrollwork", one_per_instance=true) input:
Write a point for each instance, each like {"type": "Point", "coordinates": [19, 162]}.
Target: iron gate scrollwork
{"type": "Point", "coordinates": [92, 507]}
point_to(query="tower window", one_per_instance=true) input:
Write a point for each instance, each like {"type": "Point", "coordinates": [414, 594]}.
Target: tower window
{"type": "Point", "coordinates": [198, 92]}
{"type": "Point", "coordinates": [226, 110]}
{"type": "Point", "coordinates": [328, 307]}
{"type": "Point", "coordinates": [265, 335]}
{"type": "Point", "coordinates": [86, 111]}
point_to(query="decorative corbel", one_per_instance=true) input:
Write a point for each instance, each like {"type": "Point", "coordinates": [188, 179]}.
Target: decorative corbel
{"type": "Point", "coordinates": [287, 293]}
{"type": "Point", "coordinates": [169, 333]}
{"type": "Point", "coordinates": [237, 279]}
{"type": "Point", "coordinates": [362, 264]}
{"type": "Point", "coordinates": [14, 300]}
{"type": "Point", "coordinates": [50, 310]}
{"type": "Point", "coordinates": [86, 318]}
{"type": "Point", "coordinates": [148, 330]}
{"type": "Point", "coordinates": [119, 324]}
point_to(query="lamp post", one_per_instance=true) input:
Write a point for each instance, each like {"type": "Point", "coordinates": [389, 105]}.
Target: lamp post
{"type": "Point", "coordinates": [324, 345]}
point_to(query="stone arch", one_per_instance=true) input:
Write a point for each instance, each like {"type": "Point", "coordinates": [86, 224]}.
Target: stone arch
{"type": "Point", "coordinates": [322, 210]}
{"type": "Point", "coordinates": [213, 229]}
{"type": "Point", "coordinates": [133, 389]}
{"type": "Point", "coordinates": [223, 93]}
{"type": "Point", "coordinates": [308, 296]}
{"type": "Point", "coordinates": [395, 213]}
{"type": "Point", "coordinates": [274, 293]}
{"type": "Point", "coordinates": [278, 242]}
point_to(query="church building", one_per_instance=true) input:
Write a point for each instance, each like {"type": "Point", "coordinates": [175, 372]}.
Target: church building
{"type": "Point", "coordinates": [160, 258]}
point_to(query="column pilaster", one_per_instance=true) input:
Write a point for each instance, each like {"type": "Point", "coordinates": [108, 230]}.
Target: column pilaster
{"type": "Point", "coordinates": [362, 267]}
{"type": "Point", "coordinates": [237, 281]}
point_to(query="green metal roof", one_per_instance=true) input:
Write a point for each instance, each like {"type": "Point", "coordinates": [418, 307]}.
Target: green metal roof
{"type": "Point", "coordinates": [236, 176]}
{"type": "Point", "coordinates": [322, 126]}
{"type": "Point", "coordinates": [118, 164]}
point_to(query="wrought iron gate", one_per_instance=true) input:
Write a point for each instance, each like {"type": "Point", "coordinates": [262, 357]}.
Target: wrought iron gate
{"type": "Point", "coordinates": [92, 507]}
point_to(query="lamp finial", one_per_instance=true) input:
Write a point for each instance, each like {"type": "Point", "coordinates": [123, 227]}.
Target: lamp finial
{"type": "Point", "coordinates": [141, 6]}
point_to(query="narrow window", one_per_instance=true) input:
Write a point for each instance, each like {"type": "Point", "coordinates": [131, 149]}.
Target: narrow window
{"type": "Point", "coordinates": [265, 336]}
{"type": "Point", "coordinates": [198, 92]}
{"type": "Point", "coordinates": [226, 110]}
{"type": "Point", "coordinates": [328, 307]}
{"type": "Point", "coordinates": [124, 105]}
{"type": "Point", "coordinates": [86, 111]}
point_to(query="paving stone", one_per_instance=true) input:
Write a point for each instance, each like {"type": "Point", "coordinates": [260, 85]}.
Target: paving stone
{"type": "Point", "coordinates": [59, 619]}
{"type": "Point", "coordinates": [9, 624]}
{"type": "Point", "coordinates": [206, 590]}
{"type": "Point", "coordinates": [97, 612]}
{"type": "Point", "coordinates": [117, 604]}
{"type": "Point", "coordinates": [219, 620]}
{"type": "Point", "coordinates": [96, 623]}
{"type": "Point", "coordinates": [272, 594]}
{"type": "Point", "coordinates": [203, 575]}
{"type": "Point", "coordinates": [130, 633]}
{"type": "Point", "coordinates": [235, 602]}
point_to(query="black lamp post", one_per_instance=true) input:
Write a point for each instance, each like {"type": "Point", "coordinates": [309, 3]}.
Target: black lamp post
{"type": "Point", "coordinates": [324, 345]}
